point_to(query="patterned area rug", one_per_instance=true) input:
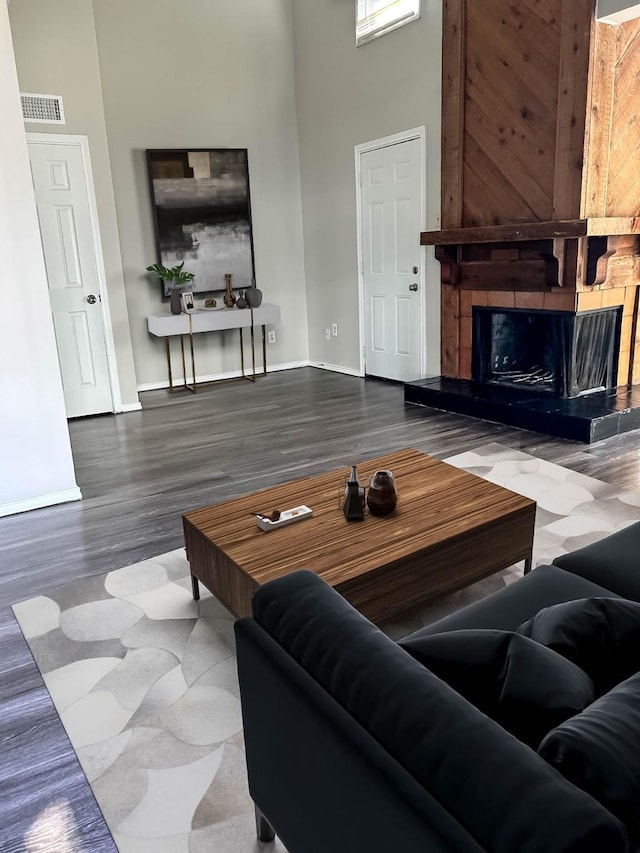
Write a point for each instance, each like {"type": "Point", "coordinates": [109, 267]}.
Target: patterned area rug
{"type": "Point", "coordinates": [144, 678]}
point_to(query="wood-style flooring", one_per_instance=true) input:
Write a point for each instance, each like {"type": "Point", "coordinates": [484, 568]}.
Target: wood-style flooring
{"type": "Point", "coordinates": [138, 472]}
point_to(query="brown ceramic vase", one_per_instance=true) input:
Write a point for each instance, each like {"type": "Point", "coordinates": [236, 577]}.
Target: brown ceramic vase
{"type": "Point", "coordinates": [382, 496]}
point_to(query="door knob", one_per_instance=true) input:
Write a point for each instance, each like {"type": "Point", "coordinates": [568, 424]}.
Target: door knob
{"type": "Point", "coordinates": [413, 286]}
{"type": "Point", "coordinates": [91, 299]}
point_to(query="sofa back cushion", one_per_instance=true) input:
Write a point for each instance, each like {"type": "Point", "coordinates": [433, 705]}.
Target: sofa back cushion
{"type": "Point", "coordinates": [600, 635]}
{"type": "Point", "coordinates": [599, 750]}
{"type": "Point", "coordinates": [526, 687]}
{"type": "Point", "coordinates": [504, 794]}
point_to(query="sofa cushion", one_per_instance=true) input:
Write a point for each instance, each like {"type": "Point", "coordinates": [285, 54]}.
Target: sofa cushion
{"type": "Point", "coordinates": [517, 602]}
{"type": "Point", "coordinates": [495, 786]}
{"type": "Point", "coordinates": [600, 635]}
{"type": "Point", "coordinates": [523, 685]}
{"type": "Point", "coordinates": [612, 562]}
{"type": "Point", "coordinates": [599, 750]}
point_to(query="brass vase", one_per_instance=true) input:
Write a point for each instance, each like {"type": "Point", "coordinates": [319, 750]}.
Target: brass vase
{"type": "Point", "coordinates": [229, 295]}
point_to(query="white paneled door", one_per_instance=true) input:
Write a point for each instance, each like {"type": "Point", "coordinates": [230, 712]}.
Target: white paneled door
{"type": "Point", "coordinates": [391, 219]}
{"type": "Point", "coordinates": [60, 184]}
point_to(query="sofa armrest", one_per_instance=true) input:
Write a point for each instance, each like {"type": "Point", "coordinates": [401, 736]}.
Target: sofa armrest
{"type": "Point", "coordinates": [613, 562]}
{"type": "Point", "coordinates": [319, 778]}
{"type": "Point", "coordinates": [508, 608]}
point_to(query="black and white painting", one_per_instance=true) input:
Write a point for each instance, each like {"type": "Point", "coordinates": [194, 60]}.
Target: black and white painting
{"type": "Point", "coordinates": [202, 214]}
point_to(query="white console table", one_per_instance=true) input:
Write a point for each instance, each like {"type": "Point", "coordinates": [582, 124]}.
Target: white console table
{"type": "Point", "coordinates": [181, 325]}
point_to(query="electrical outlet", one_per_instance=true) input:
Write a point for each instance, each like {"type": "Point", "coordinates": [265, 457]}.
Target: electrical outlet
{"type": "Point", "coordinates": [334, 330]}
{"type": "Point", "coordinates": [327, 334]}
{"type": "Point", "coordinates": [271, 336]}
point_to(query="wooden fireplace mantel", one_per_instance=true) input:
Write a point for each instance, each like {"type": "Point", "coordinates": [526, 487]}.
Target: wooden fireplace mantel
{"type": "Point", "coordinates": [563, 229]}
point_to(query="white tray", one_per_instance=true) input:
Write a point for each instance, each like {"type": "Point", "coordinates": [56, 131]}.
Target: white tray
{"type": "Point", "coordinates": [289, 516]}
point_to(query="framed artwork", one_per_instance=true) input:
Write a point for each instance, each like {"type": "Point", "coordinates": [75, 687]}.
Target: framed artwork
{"type": "Point", "coordinates": [202, 214]}
{"type": "Point", "coordinates": [187, 302]}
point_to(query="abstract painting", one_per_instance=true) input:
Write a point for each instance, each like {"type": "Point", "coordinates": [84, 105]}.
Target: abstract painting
{"type": "Point", "coordinates": [202, 214]}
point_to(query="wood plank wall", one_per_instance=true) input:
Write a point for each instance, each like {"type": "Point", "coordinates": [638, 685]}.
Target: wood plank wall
{"type": "Point", "coordinates": [539, 124]}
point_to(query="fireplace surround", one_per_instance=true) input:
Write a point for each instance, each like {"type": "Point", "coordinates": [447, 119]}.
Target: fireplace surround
{"type": "Point", "coordinates": [562, 353]}
{"type": "Point", "coordinates": [540, 212]}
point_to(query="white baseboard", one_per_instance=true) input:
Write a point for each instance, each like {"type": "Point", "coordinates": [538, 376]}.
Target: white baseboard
{"type": "Point", "coordinates": [336, 368]}
{"type": "Point", "coordinates": [40, 501]}
{"type": "Point", "coordinates": [129, 407]}
{"type": "Point", "coordinates": [217, 377]}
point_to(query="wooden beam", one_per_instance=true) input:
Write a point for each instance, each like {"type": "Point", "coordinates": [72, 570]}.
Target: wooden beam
{"type": "Point", "coordinates": [597, 143]}
{"type": "Point", "coordinates": [575, 36]}
{"type": "Point", "coordinates": [600, 226]}
{"type": "Point", "coordinates": [453, 85]}
{"type": "Point", "coordinates": [506, 233]}
{"type": "Point", "coordinates": [612, 226]}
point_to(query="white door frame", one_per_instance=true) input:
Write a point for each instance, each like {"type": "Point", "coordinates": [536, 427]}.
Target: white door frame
{"type": "Point", "coordinates": [385, 141]}
{"type": "Point", "coordinates": [83, 142]}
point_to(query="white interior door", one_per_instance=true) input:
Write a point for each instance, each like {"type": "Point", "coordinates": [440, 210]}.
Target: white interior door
{"type": "Point", "coordinates": [391, 221]}
{"type": "Point", "coordinates": [60, 185]}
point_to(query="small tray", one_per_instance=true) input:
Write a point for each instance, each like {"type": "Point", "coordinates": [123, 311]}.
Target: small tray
{"type": "Point", "coordinates": [289, 516]}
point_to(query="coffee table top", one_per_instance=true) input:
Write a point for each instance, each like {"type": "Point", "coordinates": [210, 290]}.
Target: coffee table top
{"type": "Point", "coordinates": [436, 502]}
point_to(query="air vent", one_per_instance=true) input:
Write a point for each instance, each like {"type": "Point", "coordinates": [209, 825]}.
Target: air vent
{"type": "Point", "coordinates": [42, 108]}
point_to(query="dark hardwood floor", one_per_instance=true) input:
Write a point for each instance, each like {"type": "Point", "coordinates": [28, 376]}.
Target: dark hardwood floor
{"type": "Point", "coordinates": [138, 472]}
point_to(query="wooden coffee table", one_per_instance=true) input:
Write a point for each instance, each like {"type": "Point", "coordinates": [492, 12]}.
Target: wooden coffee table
{"type": "Point", "coordinates": [450, 529]}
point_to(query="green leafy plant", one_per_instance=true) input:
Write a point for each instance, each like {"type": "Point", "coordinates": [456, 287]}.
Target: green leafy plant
{"type": "Point", "coordinates": [174, 275]}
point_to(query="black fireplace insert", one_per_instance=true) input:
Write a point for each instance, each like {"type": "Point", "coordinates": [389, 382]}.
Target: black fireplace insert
{"type": "Point", "coordinates": [562, 353]}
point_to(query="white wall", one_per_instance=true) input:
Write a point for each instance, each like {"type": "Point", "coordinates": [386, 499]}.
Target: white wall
{"type": "Point", "coordinates": [346, 96]}
{"type": "Point", "coordinates": [36, 467]}
{"type": "Point", "coordinates": [197, 74]}
{"type": "Point", "coordinates": [56, 54]}
{"type": "Point", "coordinates": [617, 11]}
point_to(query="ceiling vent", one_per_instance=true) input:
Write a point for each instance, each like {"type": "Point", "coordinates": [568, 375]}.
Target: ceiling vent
{"type": "Point", "coordinates": [42, 108]}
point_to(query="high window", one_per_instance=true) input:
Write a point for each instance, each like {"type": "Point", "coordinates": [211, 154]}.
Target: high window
{"type": "Point", "coordinates": [376, 17]}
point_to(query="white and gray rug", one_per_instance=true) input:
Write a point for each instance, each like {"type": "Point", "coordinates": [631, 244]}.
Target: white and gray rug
{"type": "Point", "coordinates": [144, 678]}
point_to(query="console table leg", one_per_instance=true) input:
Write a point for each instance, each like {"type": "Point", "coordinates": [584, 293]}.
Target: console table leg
{"type": "Point", "coordinates": [244, 376]}
{"type": "Point", "coordinates": [195, 587]}
{"type": "Point", "coordinates": [264, 830]}
{"type": "Point", "coordinates": [193, 358]}
{"type": "Point", "coordinates": [527, 565]}
{"type": "Point", "coordinates": [264, 349]}
{"type": "Point", "coordinates": [168, 349]}
{"type": "Point", "coordinates": [253, 350]}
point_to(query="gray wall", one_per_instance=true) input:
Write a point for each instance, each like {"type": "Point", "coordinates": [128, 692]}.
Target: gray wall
{"type": "Point", "coordinates": [55, 48]}
{"type": "Point", "coordinates": [205, 75]}
{"type": "Point", "coordinates": [202, 74]}
{"type": "Point", "coordinates": [346, 96]}
{"type": "Point", "coordinates": [621, 10]}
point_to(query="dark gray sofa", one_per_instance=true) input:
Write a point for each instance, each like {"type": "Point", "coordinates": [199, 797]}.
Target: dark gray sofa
{"type": "Point", "coordinates": [354, 745]}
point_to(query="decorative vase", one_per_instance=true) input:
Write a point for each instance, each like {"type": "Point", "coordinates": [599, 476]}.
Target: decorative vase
{"type": "Point", "coordinates": [241, 302]}
{"type": "Point", "coordinates": [253, 296]}
{"type": "Point", "coordinates": [175, 302]}
{"type": "Point", "coordinates": [229, 296]}
{"type": "Point", "coordinates": [353, 505]}
{"type": "Point", "coordinates": [382, 496]}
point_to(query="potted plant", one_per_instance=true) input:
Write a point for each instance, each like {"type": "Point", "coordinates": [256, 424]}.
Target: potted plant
{"type": "Point", "coordinates": [175, 279]}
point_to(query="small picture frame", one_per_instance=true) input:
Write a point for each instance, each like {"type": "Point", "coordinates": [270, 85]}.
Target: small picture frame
{"type": "Point", "coordinates": [187, 302]}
